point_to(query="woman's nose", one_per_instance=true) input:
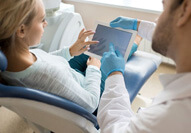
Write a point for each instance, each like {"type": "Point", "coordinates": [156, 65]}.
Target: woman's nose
{"type": "Point", "coordinates": [45, 24]}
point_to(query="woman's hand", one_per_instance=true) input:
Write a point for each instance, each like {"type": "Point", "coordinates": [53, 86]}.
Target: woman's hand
{"type": "Point", "coordinates": [80, 46]}
{"type": "Point", "coordinates": [94, 61]}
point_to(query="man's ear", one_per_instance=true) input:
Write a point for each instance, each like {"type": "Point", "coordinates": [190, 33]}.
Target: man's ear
{"type": "Point", "coordinates": [185, 13]}
{"type": "Point", "coordinates": [21, 31]}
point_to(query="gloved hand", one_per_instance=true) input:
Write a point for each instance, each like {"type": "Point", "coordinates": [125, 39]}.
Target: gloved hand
{"type": "Point", "coordinates": [124, 23]}
{"type": "Point", "coordinates": [112, 61]}
{"type": "Point", "coordinates": [133, 50]}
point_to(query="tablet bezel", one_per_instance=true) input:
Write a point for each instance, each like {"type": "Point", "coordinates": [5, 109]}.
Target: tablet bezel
{"type": "Point", "coordinates": [134, 33]}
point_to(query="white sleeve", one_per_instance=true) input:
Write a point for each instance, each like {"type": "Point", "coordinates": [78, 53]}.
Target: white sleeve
{"type": "Point", "coordinates": [92, 80]}
{"type": "Point", "coordinates": [146, 29]}
{"type": "Point", "coordinates": [114, 112]}
{"type": "Point", "coordinates": [64, 52]}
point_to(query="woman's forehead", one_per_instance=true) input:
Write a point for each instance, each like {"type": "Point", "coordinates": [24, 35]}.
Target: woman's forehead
{"type": "Point", "coordinates": [40, 9]}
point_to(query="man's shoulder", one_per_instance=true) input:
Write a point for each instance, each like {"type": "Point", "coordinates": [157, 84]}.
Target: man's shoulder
{"type": "Point", "coordinates": [174, 110]}
{"type": "Point", "coordinates": [172, 116]}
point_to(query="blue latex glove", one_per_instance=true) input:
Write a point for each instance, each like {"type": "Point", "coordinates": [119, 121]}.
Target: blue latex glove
{"type": "Point", "coordinates": [112, 61]}
{"type": "Point", "coordinates": [133, 50]}
{"type": "Point", "coordinates": [124, 23]}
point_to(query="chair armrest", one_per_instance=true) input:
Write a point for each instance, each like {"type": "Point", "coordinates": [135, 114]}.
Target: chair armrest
{"type": "Point", "coordinates": [44, 97]}
{"type": "Point", "coordinates": [138, 69]}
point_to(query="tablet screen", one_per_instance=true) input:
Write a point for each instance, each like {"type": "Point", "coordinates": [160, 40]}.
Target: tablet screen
{"type": "Point", "coordinates": [105, 35]}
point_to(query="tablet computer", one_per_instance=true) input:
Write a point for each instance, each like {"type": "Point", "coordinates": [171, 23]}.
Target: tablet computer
{"type": "Point", "coordinates": [122, 40]}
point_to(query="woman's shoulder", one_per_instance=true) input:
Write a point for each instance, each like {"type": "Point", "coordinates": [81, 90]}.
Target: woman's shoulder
{"type": "Point", "coordinates": [37, 66]}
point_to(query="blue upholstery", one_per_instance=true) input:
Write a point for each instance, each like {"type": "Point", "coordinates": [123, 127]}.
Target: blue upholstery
{"type": "Point", "coordinates": [36, 95]}
{"type": "Point", "coordinates": [137, 70]}
{"type": "Point", "coordinates": [3, 62]}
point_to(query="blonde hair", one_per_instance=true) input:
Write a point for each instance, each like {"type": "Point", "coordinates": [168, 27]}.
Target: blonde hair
{"type": "Point", "coordinates": [14, 13]}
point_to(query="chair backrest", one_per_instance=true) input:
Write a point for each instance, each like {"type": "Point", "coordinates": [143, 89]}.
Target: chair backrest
{"type": "Point", "coordinates": [40, 96]}
{"type": "Point", "coordinates": [3, 61]}
{"type": "Point", "coordinates": [3, 64]}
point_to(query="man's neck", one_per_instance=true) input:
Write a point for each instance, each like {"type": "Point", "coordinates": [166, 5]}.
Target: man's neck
{"type": "Point", "coordinates": [183, 63]}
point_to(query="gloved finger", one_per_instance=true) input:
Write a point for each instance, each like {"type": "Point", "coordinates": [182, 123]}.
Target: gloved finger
{"type": "Point", "coordinates": [111, 47]}
{"type": "Point", "coordinates": [118, 53]}
{"type": "Point", "coordinates": [133, 50]}
{"type": "Point", "coordinates": [102, 59]}
{"type": "Point", "coordinates": [115, 22]}
{"type": "Point", "coordinates": [104, 54]}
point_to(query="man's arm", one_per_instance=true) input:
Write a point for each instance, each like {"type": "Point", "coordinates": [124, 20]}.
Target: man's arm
{"type": "Point", "coordinates": [114, 111]}
{"type": "Point", "coordinates": [145, 28]}
{"type": "Point", "coordinates": [115, 102]}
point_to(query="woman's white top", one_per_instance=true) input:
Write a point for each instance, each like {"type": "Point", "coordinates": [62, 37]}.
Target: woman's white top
{"type": "Point", "coordinates": [52, 73]}
{"type": "Point", "coordinates": [169, 113]}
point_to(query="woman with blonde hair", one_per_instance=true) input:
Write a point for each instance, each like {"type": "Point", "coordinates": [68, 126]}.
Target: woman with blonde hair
{"type": "Point", "coordinates": [22, 24]}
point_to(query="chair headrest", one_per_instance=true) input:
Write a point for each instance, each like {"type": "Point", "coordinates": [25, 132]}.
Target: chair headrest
{"type": "Point", "coordinates": [3, 61]}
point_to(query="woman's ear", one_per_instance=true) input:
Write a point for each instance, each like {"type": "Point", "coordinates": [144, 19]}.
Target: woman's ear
{"type": "Point", "coordinates": [21, 31]}
{"type": "Point", "coordinates": [185, 13]}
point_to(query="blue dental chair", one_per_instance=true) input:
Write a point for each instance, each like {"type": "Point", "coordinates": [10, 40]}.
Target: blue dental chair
{"type": "Point", "coordinates": [46, 112]}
